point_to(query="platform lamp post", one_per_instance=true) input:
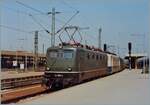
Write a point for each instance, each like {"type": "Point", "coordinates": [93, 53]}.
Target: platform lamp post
{"type": "Point", "coordinates": [105, 47]}
{"type": "Point", "coordinates": [16, 66]}
{"type": "Point", "coordinates": [129, 49]}
{"type": "Point", "coordinates": [23, 39]}
{"type": "Point", "coordinates": [36, 51]}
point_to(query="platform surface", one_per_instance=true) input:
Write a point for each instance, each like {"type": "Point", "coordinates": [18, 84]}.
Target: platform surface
{"type": "Point", "coordinates": [126, 87]}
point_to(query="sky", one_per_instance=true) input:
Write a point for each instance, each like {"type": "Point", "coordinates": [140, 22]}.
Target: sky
{"type": "Point", "coordinates": [121, 21]}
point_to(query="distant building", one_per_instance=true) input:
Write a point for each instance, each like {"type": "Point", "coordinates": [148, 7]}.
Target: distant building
{"type": "Point", "coordinates": [11, 59]}
{"type": "Point", "coordinates": [134, 57]}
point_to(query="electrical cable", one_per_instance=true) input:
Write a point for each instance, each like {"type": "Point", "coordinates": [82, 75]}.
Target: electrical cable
{"type": "Point", "coordinates": [27, 6]}
{"type": "Point", "coordinates": [14, 10]}
{"type": "Point", "coordinates": [39, 23]}
{"type": "Point", "coordinates": [68, 5]}
{"type": "Point", "coordinates": [67, 22]}
{"type": "Point", "coordinates": [15, 29]}
{"type": "Point", "coordinates": [20, 30]}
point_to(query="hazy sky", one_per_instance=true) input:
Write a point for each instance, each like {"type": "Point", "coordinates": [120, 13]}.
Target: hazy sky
{"type": "Point", "coordinates": [121, 21]}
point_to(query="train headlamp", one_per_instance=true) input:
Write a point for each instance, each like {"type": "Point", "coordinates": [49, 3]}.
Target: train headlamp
{"type": "Point", "coordinates": [60, 46]}
{"type": "Point", "coordinates": [47, 68]}
{"type": "Point", "coordinates": [69, 69]}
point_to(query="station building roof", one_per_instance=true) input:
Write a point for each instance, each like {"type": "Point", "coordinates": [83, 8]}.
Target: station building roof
{"type": "Point", "coordinates": [19, 53]}
{"type": "Point", "coordinates": [136, 55]}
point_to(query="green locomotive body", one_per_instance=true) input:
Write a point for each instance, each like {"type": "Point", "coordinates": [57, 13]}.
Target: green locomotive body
{"type": "Point", "coordinates": [69, 65]}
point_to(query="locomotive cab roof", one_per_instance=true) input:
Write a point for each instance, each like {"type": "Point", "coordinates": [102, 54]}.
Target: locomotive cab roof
{"type": "Point", "coordinates": [76, 45]}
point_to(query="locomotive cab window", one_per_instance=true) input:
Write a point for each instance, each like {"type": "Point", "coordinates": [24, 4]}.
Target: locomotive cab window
{"type": "Point", "coordinates": [68, 54]}
{"type": "Point", "coordinates": [53, 54]}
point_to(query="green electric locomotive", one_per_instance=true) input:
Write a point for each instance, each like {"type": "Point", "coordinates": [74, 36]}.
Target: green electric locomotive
{"type": "Point", "coordinates": [72, 64]}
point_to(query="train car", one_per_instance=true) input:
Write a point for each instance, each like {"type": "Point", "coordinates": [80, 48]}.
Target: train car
{"type": "Point", "coordinates": [70, 64]}
{"type": "Point", "coordinates": [114, 63]}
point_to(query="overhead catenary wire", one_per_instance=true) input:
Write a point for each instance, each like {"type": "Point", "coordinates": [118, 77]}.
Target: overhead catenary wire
{"type": "Point", "coordinates": [33, 18]}
{"type": "Point", "coordinates": [67, 22]}
{"type": "Point", "coordinates": [22, 12]}
{"type": "Point", "coordinates": [15, 10]}
{"type": "Point", "coordinates": [39, 23]}
{"type": "Point", "coordinates": [65, 3]}
{"type": "Point", "coordinates": [62, 1]}
{"type": "Point", "coordinates": [15, 29]}
{"type": "Point", "coordinates": [20, 30]}
{"type": "Point", "coordinates": [28, 32]}
{"type": "Point", "coordinates": [27, 6]}
{"type": "Point", "coordinates": [75, 10]}
{"type": "Point", "coordinates": [26, 13]}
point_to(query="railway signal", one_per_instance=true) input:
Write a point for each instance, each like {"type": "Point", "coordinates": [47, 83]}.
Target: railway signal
{"type": "Point", "coordinates": [105, 47]}
{"type": "Point", "coordinates": [129, 48]}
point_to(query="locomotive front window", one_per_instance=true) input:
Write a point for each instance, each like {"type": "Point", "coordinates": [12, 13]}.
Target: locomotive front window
{"type": "Point", "coordinates": [68, 54]}
{"type": "Point", "coordinates": [61, 54]}
{"type": "Point", "coordinates": [53, 54]}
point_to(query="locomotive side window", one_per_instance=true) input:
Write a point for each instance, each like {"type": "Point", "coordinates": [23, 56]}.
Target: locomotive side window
{"type": "Point", "coordinates": [60, 54]}
{"type": "Point", "coordinates": [88, 56]}
{"type": "Point", "coordinates": [93, 56]}
{"type": "Point", "coordinates": [53, 54]}
{"type": "Point", "coordinates": [100, 57]}
{"type": "Point", "coordinates": [68, 54]}
{"type": "Point", "coordinates": [96, 57]}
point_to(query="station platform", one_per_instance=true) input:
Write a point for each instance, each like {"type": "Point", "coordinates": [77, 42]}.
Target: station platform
{"type": "Point", "coordinates": [126, 87]}
{"type": "Point", "coordinates": [15, 74]}
{"type": "Point", "coordinates": [14, 79]}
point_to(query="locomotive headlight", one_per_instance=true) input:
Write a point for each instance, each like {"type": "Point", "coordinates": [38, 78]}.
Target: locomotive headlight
{"type": "Point", "coordinates": [47, 68]}
{"type": "Point", "coordinates": [69, 68]}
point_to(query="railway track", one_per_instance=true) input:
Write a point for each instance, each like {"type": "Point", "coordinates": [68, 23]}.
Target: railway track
{"type": "Point", "coordinates": [14, 95]}
{"type": "Point", "coordinates": [17, 87]}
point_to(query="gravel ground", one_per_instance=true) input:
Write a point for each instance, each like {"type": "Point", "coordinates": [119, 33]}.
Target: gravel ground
{"type": "Point", "coordinates": [126, 87]}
